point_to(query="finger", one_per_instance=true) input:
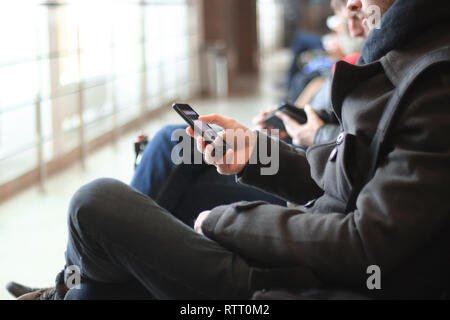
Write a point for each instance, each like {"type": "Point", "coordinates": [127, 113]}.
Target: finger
{"type": "Point", "coordinates": [198, 227]}
{"type": "Point", "coordinates": [219, 148]}
{"type": "Point", "coordinates": [311, 114]}
{"type": "Point", "coordinates": [258, 119]}
{"type": "Point", "coordinates": [229, 157]}
{"type": "Point", "coordinates": [266, 113]}
{"type": "Point", "coordinates": [221, 138]}
{"type": "Point", "coordinates": [225, 123]}
{"type": "Point", "coordinates": [287, 120]}
{"type": "Point", "coordinates": [199, 221]}
{"type": "Point", "coordinates": [190, 131]}
{"type": "Point", "coordinates": [221, 135]}
{"type": "Point", "coordinates": [209, 154]}
{"type": "Point", "coordinates": [200, 144]}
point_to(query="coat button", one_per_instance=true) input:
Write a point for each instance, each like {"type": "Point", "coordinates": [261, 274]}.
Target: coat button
{"type": "Point", "coordinates": [333, 155]}
{"type": "Point", "coordinates": [340, 138]}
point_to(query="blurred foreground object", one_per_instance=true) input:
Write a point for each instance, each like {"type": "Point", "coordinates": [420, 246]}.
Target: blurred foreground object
{"type": "Point", "coordinates": [139, 146]}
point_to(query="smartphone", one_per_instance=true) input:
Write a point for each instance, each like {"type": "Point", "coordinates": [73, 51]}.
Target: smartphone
{"type": "Point", "coordinates": [191, 117]}
{"type": "Point", "coordinates": [294, 112]}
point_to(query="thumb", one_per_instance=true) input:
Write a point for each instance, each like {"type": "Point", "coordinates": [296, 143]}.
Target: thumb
{"type": "Point", "coordinates": [284, 117]}
{"type": "Point", "coordinates": [225, 123]}
{"type": "Point", "coordinates": [310, 113]}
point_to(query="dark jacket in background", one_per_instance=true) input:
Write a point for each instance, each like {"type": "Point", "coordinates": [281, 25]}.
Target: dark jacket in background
{"type": "Point", "coordinates": [402, 220]}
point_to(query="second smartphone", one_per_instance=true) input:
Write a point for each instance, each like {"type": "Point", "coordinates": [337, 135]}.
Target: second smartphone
{"type": "Point", "coordinates": [294, 112]}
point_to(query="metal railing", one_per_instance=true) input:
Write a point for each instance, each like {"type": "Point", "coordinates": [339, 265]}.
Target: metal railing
{"type": "Point", "coordinates": [81, 85]}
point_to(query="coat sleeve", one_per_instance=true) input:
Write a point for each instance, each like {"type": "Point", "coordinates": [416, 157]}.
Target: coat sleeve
{"type": "Point", "coordinates": [398, 211]}
{"type": "Point", "coordinates": [327, 133]}
{"type": "Point", "coordinates": [292, 185]}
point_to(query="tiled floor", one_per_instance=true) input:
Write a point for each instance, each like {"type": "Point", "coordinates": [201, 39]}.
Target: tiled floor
{"type": "Point", "coordinates": [33, 225]}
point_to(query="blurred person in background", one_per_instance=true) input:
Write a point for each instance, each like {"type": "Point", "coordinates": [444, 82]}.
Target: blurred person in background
{"type": "Point", "coordinates": [302, 42]}
{"type": "Point", "coordinates": [322, 125]}
{"type": "Point", "coordinates": [339, 44]}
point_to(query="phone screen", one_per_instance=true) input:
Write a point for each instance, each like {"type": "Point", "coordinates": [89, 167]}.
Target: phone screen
{"type": "Point", "coordinates": [191, 117]}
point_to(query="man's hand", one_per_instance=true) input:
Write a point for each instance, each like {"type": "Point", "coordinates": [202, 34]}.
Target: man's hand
{"type": "Point", "coordinates": [198, 223]}
{"type": "Point", "coordinates": [302, 134]}
{"type": "Point", "coordinates": [241, 139]}
{"type": "Point", "coordinates": [259, 123]}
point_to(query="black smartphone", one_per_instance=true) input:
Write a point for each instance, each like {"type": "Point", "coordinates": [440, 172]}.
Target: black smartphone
{"type": "Point", "coordinates": [191, 117]}
{"type": "Point", "coordinates": [294, 112]}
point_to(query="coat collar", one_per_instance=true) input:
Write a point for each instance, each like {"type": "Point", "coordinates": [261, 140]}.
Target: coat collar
{"type": "Point", "coordinates": [395, 64]}
{"type": "Point", "coordinates": [401, 24]}
{"type": "Point", "coordinates": [347, 76]}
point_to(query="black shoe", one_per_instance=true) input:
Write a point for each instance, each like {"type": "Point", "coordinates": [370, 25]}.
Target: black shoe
{"type": "Point", "coordinates": [57, 292]}
{"type": "Point", "coordinates": [17, 290]}
{"type": "Point", "coordinates": [45, 294]}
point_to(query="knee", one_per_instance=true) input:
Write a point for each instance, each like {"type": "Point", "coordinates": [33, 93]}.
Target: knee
{"type": "Point", "coordinates": [91, 201]}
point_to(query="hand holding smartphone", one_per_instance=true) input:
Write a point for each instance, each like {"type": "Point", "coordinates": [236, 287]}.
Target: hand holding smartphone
{"type": "Point", "coordinates": [294, 112]}
{"type": "Point", "coordinates": [200, 128]}
{"type": "Point", "coordinates": [239, 145]}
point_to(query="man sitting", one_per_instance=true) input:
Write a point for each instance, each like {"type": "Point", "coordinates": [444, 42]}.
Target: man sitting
{"type": "Point", "coordinates": [399, 221]}
{"type": "Point", "coordinates": [180, 189]}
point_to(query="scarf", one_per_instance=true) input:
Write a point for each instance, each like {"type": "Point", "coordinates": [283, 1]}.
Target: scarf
{"type": "Point", "coordinates": [401, 24]}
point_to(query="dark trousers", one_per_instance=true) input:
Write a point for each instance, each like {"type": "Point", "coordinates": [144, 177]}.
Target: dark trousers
{"type": "Point", "coordinates": [118, 235]}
